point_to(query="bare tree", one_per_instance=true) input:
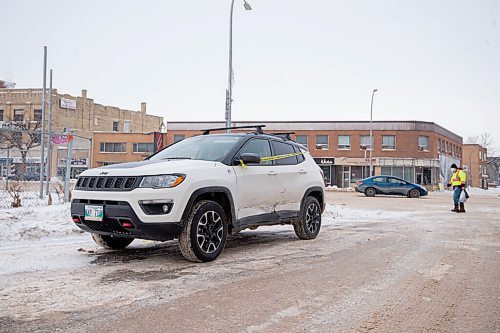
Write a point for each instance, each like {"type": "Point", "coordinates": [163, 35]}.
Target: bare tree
{"type": "Point", "coordinates": [21, 136]}
{"type": "Point", "coordinates": [486, 141]}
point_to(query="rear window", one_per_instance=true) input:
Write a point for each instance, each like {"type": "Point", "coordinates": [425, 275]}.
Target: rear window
{"type": "Point", "coordinates": [379, 179]}
{"type": "Point", "coordinates": [281, 148]}
{"type": "Point", "coordinates": [300, 158]}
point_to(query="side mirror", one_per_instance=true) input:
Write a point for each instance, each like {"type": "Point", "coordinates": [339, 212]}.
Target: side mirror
{"type": "Point", "coordinates": [250, 158]}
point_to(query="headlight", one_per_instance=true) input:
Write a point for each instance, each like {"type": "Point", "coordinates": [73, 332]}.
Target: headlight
{"type": "Point", "coordinates": [162, 181]}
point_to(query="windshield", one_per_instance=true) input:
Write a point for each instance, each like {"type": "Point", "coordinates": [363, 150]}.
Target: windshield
{"type": "Point", "coordinates": [203, 147]}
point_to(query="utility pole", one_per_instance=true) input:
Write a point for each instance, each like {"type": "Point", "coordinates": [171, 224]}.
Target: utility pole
{"type": "Point", "coordinates": [49, 137]}
{"type": "Point", "coordinates": [371, 133]}
{"type": "Point", "coordinates": [229, 91]}
{"type": "Point", "coordinates": [42, 135]}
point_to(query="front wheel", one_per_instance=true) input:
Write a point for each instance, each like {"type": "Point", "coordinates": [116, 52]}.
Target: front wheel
{"type": "Point", "coordinates": [111, 242]}
{"type": "Point", "coordinates": [307, 227]}
{"type": "Point", "coordinates": [204, 234]}
{"type": "Point", "coordinates": [414, 193]}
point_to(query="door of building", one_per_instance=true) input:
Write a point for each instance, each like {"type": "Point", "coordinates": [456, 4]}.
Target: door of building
{"type": "Point", "coordinates": [346, 177]}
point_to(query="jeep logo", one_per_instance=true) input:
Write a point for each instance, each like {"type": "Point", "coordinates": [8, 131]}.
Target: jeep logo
{"type": "Point", "coordinates": [103, 173]}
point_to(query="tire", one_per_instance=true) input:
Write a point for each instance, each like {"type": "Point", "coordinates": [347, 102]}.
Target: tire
{"type": "Point", "coordinates": [206, 220]}
{"type": "Point", "coordinates": [370, 192]}
{"type": "Point", "coordinates": [112, 242]}
{"type": "Point", "coordinates": [310, 219]}
{"type": "Point", "coordinates": [414, 193]}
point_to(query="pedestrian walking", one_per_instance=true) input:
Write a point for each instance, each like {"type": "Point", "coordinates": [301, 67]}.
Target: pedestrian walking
{"type": "Point", "coordinates": [458, 179]}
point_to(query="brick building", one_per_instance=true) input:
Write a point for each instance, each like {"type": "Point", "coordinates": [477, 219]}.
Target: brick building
{"type": "Point", "coordinates": [475, 160]}
{"type": "Point", "coordinates": [417, 151]}
{"type": "Point", "coordinates": [493, 169]}
{"type": "Point", "coordinates": [25, 106]}
{"type": "Point", "coordinates": [112, 148]}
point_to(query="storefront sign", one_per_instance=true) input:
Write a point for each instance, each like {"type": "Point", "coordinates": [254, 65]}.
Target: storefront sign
{"type": "Point", "coordinates": [79, 161]}
{"type": "Point", "coordinates": [324, 160]}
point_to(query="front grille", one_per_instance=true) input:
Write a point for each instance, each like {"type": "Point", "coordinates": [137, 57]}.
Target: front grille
{"type": "Point", "coordinates": [106, 225]}
{"type": "Point", "coordinates": [107, 183]}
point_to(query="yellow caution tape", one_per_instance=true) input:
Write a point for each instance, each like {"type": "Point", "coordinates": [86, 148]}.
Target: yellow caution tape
{"type": "Point", "coordinates": [272, 158]}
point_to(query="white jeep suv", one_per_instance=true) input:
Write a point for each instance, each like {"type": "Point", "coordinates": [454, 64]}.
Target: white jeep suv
{"type": "Point", "coordinates": [200, 189]}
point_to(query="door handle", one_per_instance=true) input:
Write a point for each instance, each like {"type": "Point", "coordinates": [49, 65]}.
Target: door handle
{"type": "Point", "coordinates": [302, 171]}
{"type": "Point", "coordinates": [272, 173]}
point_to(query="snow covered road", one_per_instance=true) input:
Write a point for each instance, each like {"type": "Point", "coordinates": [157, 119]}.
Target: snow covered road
{"type": "Point", "coordinates": [383, 263]}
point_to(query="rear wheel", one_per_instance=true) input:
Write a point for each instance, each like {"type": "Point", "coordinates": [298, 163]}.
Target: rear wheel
{"type": "Point", "coordinates": [310, 220]}
{"type": "Point", "coordinates": [111, 242]}
{"type": "Point", "coordinates": [370, 192]}
{"type": "Point", "coordinates": [204, 235]}
{"type": "Point", "coordinates": [414, 193]}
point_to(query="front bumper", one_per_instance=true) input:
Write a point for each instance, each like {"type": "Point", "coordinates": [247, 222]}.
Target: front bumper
{"type": "Point", "coordinates": [120, 213]}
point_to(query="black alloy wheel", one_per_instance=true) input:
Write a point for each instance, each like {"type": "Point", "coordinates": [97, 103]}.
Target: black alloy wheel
{"type": "Point", "coordinates": [308, 225]}
{"type": "Point", "coordinates": [210, 232]}
{"type": "Point", "coordinates": [204, 234]}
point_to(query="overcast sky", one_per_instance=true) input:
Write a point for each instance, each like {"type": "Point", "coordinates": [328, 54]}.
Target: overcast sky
{"type": "Point", "coordinates": [293, 60]}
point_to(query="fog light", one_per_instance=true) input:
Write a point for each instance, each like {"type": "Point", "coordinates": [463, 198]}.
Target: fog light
{"type": "Point", "coordinates": [76, 219]}
{"type": "Point", "coordinates": [166, 208]}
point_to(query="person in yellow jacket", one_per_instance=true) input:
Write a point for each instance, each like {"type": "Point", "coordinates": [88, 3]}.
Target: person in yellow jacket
{"type": "Point", "coordinates": [458, 179]}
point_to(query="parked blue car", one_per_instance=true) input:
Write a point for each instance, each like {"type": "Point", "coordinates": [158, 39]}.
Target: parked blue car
{"type": "Point", "coordinates": [389, 185]}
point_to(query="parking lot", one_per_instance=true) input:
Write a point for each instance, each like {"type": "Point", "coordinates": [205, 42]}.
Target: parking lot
{"type": "Point", "coordinates": [378, 264]}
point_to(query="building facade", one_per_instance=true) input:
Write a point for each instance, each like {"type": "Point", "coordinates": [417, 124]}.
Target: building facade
{"type": "Point", "coordinates": [493, 170]}
{"type": "Point", "coordinates": [475, 160]}
{"type": "Point", "coordinates": [420, 152]}
{"type": "Point", "coordinates": [22, 109]}
{"type": "Point", "coordinates": [111, 148]}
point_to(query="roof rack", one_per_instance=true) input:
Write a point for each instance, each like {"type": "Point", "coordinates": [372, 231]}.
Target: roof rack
{"type": "Point", "coordinates": [258, 128]}
{"type": "Point", "coordinates": [286, 135]}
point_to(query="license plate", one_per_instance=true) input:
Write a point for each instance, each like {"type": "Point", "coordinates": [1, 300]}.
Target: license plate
{"type": "Point", "coordinates": [94, 213]}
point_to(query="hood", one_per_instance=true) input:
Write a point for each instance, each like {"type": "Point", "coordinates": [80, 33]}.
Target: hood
{"type": "Point", "coordinates": [149, 167]}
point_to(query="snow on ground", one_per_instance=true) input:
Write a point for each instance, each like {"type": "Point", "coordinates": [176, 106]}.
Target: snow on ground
{"type": "Point", "coordinates": [34, 223]}
{"type": "Point", "coordinates": [28, 198]}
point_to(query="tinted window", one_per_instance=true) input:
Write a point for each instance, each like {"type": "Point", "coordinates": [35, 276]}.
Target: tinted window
{"type": "Point", "coordinates": [300, 157]}
{"type": "Point", "coordinates": [395, 181]}
{"type": "Point", "coordinates": [379, 179]}
{"type": "Point", "coordinates": [257, 146]}
{"type": "Point", "coordinates": [281, 148]}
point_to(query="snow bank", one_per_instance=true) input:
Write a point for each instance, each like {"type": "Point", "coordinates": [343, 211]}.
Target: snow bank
{"type": "Point", "coordinates": [32, 223]}
{"type": "Point", "coordinates": [480, 191]}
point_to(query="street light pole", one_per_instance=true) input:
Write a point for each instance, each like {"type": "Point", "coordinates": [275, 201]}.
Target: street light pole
{"type": "Point", "coordinates": [229, 91]}
{"type": "Point", "coordinates": [371, 133]}
{"type": "Point", "coordinates": [42, 135]}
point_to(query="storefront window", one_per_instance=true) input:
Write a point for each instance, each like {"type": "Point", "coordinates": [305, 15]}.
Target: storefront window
{"type": "Point", "coordinates": [356, 173]}
{"type": "Point", "coordinates": [398, 172]}
{"type": "Point", "coordinates": [386, 171]}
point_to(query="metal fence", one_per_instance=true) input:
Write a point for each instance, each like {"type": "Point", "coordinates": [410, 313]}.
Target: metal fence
{"type": "Point", "coordinates": [21, 164]}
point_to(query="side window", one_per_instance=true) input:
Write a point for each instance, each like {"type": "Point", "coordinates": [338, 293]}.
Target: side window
{"type": "Point", "coordinates": [300, 157]}
{"type": "Point", "coordinates": [257, 146]}
{"type": "Point", "coordinates": [395, 181]}
{"type": "Point", "coordinates": [379, 179]}
{"type": "Point", "coordinates": [281, 148]}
